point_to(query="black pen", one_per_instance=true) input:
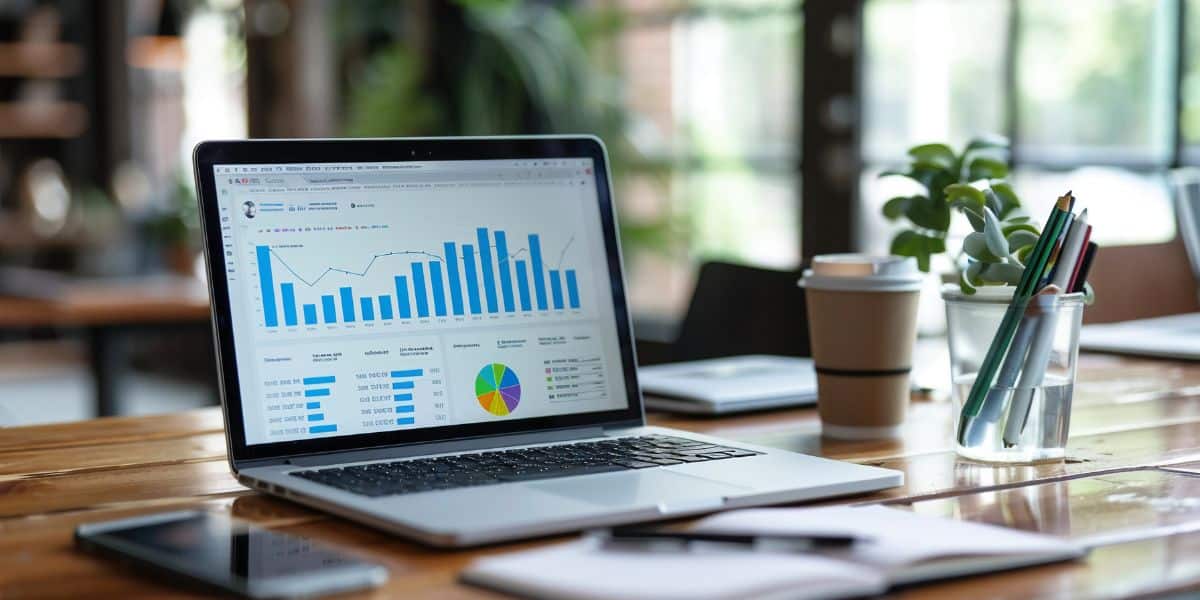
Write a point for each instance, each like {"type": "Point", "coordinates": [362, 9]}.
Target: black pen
{"type": "Point", "coordinates": [635, 535]}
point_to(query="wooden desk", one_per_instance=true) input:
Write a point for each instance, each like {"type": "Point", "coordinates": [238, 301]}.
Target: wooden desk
{"type": "Point", "coordinates": [1134, 467]}
{"type": "Point", "coordinates": [102, 311]}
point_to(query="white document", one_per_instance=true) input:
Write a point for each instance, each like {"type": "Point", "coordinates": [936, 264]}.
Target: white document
{"type": "Point", "coordinates": [583, 570]}
{"type": "Point", "coordinates": [733, 384]}
{"type": "Point", "coordinates": [899, 547]}
{"type": "Point", "coordinates": [905, 546]}
{"type": "Point", "coordinates": [1176, 336]}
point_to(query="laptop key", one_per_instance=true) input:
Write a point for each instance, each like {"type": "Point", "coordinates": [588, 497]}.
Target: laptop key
{"type": "Point", "coordinates": [532, 475]}
{"type": "Point", "coordinates": [518, 464]}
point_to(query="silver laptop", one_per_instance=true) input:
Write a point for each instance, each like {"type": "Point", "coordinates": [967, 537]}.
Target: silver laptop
{"type": "Point", "coordinates": [430, 336]}
{"type": "Point", "coordinates": [1173, 336]}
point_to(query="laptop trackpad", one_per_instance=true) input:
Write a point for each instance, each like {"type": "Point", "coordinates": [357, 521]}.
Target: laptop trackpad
{"type": "Point", "coordinates": [672, 492]}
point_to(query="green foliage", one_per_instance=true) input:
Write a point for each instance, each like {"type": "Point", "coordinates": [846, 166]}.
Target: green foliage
{"type": "Point", "coordinates": [520, 68]}
{"type": "Point", "coordinates": [972, 183]}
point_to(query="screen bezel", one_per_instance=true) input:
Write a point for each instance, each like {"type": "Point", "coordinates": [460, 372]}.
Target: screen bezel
{"type": "Point", "coordinates": [209, 154]}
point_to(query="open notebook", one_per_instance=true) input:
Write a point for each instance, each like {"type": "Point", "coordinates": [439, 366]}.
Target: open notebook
{"type": "Point", "coordinates": [904, 548]}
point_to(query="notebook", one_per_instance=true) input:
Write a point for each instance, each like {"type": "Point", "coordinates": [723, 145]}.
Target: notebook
{"type": "Point", "coordinates": [728, 385]}
{"type": "Point", "coordinates": [1176, 336]}
{"type": "Point", "coordinates": [903, 548]}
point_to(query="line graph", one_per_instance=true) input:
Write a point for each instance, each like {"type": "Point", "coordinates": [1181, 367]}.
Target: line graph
{"type": "Point", "coordinates": [370, 263]}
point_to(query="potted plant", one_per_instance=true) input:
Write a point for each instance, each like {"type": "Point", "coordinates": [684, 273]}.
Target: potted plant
{"type": "Point", "coordinates": [971, 182]}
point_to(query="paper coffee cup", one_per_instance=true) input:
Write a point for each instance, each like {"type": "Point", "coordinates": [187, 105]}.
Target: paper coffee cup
{"type": "Point", "coordinates": [862, 321]}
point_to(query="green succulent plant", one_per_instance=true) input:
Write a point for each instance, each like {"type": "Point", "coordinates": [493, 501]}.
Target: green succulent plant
{"type": "Point", "coordinates": [971, 182]}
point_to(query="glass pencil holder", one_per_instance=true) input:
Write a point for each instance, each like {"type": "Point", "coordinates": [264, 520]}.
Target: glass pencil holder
{"type": "Point", "coordinates": [1024, 415]}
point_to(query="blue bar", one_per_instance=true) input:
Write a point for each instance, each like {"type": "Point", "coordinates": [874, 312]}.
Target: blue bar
{"type": "Point", "coordinates": [402, 397]}
{"type": "Point", "coordinates": [556, 289]}
{"type": "Point", "coordinates": [406, 421]}
{"type": "Point", "coordinates": [506, 292]}
{"type": "Point", "coordinates": [385, 307]}
{"type": "Point", "coordinates": [402, 297]}
{"type": "Point", "coordinates": [402, 385]}
{"type": "Point", "coordinates": [456, 302]}
{"type": "Point", "coordinates": [439, 292]}
{"type": "Point", "coordinates": [315, 392]}
{"type": "Point", "coordinates": [572, 289]}
{"type": "Point", "coordinates": [328, 308]}
{"type": "Point", "coordinates": [368, 309]}
{"type": "Point", "coordinates": [289, 304]}
{"type": "Point", "coordinates": [319, 380]}
{"type": "Point", "coordinates": [316, 417]}
{"type": "Point", "coordinates": [323, 429]}
{"type": "Point", "coordinates": [347, 304]}
{"type": "Point", "coordinates": [312, 405]}
{"type": "Point", "coordinates": [418, 275]}
{"type": "Point", "coordinates": [266, 283]}
{"type": "Point", "coordinates": [310, 314]}
{"type": "Point", "coordinates": [472, 282]}
{"type": "Point", "coordinates": [485, 265]}
{"type": "Point", "coordinates": [408, 373]}
{"type": "Point", "coordinates": [539, 284]}
{"type": "Point", "coordinates": [523, 285]}
{"type": "Point", "coordinates": [404, 408]}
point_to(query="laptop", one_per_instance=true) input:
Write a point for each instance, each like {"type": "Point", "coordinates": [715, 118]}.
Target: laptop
{"type": "Point", "coordinates": [1174, 336]}
{"type": "Point", "coordinates": [431, 337]}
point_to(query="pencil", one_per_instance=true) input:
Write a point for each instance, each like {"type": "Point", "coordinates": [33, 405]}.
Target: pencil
{"type": "Point", "coordinates": [1027, 285]}
{"type": "Point", "coordinates": [1034, 370]}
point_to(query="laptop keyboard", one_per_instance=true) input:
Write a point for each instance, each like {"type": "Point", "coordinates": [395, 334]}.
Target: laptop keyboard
{"type": "Point", "coordinates": [521, 464]}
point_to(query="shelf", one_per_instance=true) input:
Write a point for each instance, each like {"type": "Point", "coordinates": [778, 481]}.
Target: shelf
{"type": "Point", "coordinates": [56, 120]}
{"type": "Point", "coordinates": [41, 60]}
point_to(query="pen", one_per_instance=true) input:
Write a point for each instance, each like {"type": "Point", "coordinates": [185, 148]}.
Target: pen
{"type": "Point", "coordinates": [971, 432]}
{"type": "Point", "coordinates": [1034, 371]}
{"type": "Point", "coordinates": [647, 536]}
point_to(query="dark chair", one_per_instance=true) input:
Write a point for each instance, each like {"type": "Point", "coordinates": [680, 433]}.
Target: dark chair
{"type": "Point", "coordinates": [736, 309]}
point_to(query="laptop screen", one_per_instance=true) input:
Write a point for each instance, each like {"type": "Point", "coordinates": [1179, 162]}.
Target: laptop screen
{"type": "Point", "coordinates": [388, 296]}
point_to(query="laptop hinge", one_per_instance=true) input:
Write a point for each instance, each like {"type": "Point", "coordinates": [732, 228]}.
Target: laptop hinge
{"type": "Point", "coordinates": [467, 445]}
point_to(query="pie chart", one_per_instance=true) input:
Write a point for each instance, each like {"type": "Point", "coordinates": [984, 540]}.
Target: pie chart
{"type": "Point", "coordinates": [498, 389]}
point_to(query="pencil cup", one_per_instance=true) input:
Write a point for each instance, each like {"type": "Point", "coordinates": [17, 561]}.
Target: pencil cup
{"type": "Point", "coordinates": [1026, 415]}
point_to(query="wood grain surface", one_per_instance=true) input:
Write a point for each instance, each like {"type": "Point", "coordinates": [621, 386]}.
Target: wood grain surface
{"type": "Point", "coordinates": [1130, 485]}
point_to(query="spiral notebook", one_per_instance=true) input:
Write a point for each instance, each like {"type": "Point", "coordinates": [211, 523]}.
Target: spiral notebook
{"type": "Point", "coordinates": [898, 548]}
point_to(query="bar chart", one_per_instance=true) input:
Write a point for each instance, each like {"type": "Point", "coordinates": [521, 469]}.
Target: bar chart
{"type": "Point", "coordinates": [484, 276]}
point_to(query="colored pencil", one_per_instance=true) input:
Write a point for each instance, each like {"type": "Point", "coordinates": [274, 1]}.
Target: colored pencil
{"type": "Point", "coordinates": [1034, 270]}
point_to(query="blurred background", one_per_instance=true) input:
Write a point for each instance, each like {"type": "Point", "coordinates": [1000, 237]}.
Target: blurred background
{"type": "Point", "coordinates": [745, 131]}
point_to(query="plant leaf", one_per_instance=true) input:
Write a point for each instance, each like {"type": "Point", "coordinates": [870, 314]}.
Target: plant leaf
{"type": "Point", "coordinates": [1005, 273]}
{"type": "Point", "coordinates": [896, 207]}
{"type": "Point", "coordinates": [991, 201]}
{"type": "Point", "coordinates": [987, 141]}
{"type": "Point", "coordinates": [1021, 238]}
{"type": "Point", "coordinates": [939, 154]}
{"type": "Point", "coordinates": [986, 168]}
{"type": "Point", "coordinates": [1023, 254]}
{"type": "Point", "coordinates": [1009, 201]}
{"type": "Point", "coordinates": [976, 246]}
{"type": "Point", "coordinates": [925, 212]}
{"type": "Point", "coordinates": [993, 233]}
{"type": "Point", "coordinates": [968, 280]}
{"type": "Point", "coordinates": [1010, 229]}
{"type": "Point", "coordinates": [965, 192]}
{"type": "Point", "coordinates": [973, 217]}
{"type": "Point", "coordinates": [917, 245]}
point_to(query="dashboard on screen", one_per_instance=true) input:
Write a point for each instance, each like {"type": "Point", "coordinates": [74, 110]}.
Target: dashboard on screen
{"type": "Point", "coordinates": [387, 296]}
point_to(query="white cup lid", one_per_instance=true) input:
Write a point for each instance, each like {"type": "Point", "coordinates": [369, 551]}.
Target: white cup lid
{"type": "Point", "coordinates": [863, 273]}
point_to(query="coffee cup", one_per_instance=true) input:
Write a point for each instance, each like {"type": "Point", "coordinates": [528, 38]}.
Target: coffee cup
{"type": "Point", "coordinates": [862, 322]}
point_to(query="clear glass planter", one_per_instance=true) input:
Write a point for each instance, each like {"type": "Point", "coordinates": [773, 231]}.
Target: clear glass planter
{"type": "Point", "coordinates": [1026, 415]}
